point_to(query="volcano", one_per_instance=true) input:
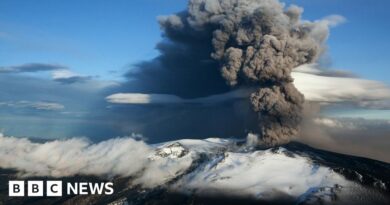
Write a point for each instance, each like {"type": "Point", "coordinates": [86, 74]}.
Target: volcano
{"type": "Point", "coordinates": [230, 171]}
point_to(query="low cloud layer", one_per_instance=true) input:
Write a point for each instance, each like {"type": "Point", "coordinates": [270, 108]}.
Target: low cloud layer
{"type": "Point", "coordinates": [124, 157]}
{"type": "Point", "coordinates": [114, 157]}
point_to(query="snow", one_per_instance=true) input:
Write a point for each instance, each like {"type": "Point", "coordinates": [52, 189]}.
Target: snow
{"type": "Point", "coordinates": [259, 174]}
{"type": "Point", "coordinates": [228, 168]}
{"type": "Point", "coordinates": [204, 145]}
{"type": "Point", "coordinates": [174, 150]}
{"type": "Point", "coordinates": [172, 159]}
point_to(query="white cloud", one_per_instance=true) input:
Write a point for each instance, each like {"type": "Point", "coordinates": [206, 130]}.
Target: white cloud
{"type": "Point", "coordinates": [319, 88]}
{"type": "Point", "coordinates": [63, 73]}
{"type": "Point", "coordinates": [139, 98]}
{"type": "Point", "coordinates": [68, 77]}
{"type": "Point", "coordinates": [124, 156]}
{"type": "Point", "coordinates": [114, 157]}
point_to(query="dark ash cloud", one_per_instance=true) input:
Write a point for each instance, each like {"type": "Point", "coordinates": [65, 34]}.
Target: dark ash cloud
{"type": "Point", "coordinates": [215, 46]}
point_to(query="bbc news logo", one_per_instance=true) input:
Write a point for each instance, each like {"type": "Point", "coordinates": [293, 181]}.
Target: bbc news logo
{"type": "Point", "coordinates": [55, 188]}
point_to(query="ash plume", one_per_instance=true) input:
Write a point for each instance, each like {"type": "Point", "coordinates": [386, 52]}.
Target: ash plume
{"type": "Point", "coordinates": [254, 43]}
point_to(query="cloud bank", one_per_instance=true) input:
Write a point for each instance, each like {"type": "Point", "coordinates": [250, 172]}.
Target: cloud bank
{"type": "Point", "coordinates": [124, 157]}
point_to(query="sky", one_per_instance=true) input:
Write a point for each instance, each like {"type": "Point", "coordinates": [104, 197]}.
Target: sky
{"type": "Point", "coordinates": [104, 38]}
{"type": "Point", "coordinates": [95, 39]}
{"type": "Point", "coordinates": [88, 47]}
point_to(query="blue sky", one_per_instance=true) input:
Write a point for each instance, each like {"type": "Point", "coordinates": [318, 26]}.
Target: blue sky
{"type": "Point", "coordinates": [89, 38]}
{"type": "Point", "coordinates": [104, 36]}
{"type": "Point", "coordinates": [101, 40]}
{"type": "Point", "coordinates": [361, 44]}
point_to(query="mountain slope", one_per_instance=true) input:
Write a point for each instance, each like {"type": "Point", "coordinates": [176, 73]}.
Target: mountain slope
{"type": "Point", "coordinates": [229, 171]}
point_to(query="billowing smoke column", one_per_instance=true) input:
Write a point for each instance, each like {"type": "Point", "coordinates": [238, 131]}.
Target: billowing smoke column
{"type": "Point", "coordinates": [256, 43]}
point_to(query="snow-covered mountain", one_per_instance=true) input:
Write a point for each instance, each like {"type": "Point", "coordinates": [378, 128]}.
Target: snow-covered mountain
{"type": "Point", "coordinates": [294, 172]}
{"type": "Point", "coordinates": [230, 171]}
